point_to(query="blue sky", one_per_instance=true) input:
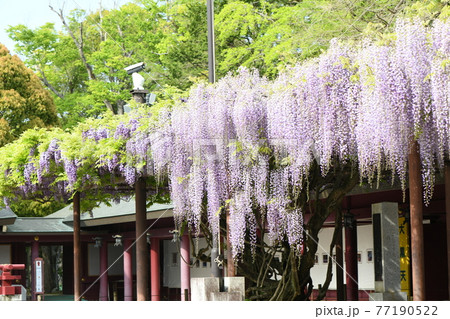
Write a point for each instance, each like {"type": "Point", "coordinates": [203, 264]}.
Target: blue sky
{"type": "Point", "coordinates": [34, 13]}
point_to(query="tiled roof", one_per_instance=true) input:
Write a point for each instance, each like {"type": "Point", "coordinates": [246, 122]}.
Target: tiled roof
{"type": "Point", "coordinates": [124, 207]}
{"type": "Point", "coordinates": [38, 225]}
{"type": "Point", "coordinates": [7, 216]}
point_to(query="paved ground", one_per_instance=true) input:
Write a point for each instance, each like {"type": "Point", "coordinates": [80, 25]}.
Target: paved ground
{"type": "Point", "coordinates": [58, 297]}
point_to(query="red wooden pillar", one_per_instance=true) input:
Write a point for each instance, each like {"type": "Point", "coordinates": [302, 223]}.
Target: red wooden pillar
{"type": "Point", "coordinates": [142, 254]}
{"type": "Point", "coordinates": [104, 271]}
{"type": "Point", "coordinates": [185, 268]}
{"type": "Point", "coordinates": [447, 210]}
{"type": "Point", "coordinates": [416, 220]}
{"type": "Point", "coordinates": [127, 270]}
{"type": "Point", "coordinates": [351, 259]}
{"type": "Point", "coordinates": [76, 247]}
{"type": "Point", "coordinates": [34, 255]}
{"type": "Point", "coordinates": [154, 269]}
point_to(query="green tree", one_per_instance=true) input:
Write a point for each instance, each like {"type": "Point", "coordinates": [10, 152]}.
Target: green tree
{"type": "Point", "coordinates": [268, 35]}
{"type": "Point", "coordinates": [83, 65]}
{"type": "Point", "coordinates": [24, 102]}
{"type": "Point", "coordinates": [184, 47]}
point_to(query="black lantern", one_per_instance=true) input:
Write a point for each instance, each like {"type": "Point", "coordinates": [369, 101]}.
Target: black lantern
{"type": "Point", "coordinates": [176, 236]}
{"type": "Point", "coordinates": [349, 220]}
{"type": "Point", "coordinates": [98, 242]}
{"type": "Point", "coordinates": [118, 239]}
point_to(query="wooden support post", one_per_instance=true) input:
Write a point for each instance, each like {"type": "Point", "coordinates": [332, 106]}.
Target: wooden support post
{"type": "Point", "coordinates": [351, 261]}
{"type": "Point", "coordinates": [127, 270]}
{"type": "Point", "coordinates": [416, 220]}
{"type": "Point", "coordinates": [76, 247]}
{"type": "Point", "coordinates": [104, 271]}
{"type": "Point", "coordinates": [340, 267]}
{"type": "Point", "coordinates": [447, 211]}
{"type": "Point", "coordinates": [142, 255]}
{"type": "Point", "coordinates": [154, 269]}
{"type": "Point", "coordinates": [185, 267]}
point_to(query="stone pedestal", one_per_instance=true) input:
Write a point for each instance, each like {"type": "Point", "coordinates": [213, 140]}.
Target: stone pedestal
{"type": "Point", "coordinates": [207, 289]}
{"type": "Point", "coordinates": [20, 297]}
{"type": "Point", "coordinates": [386, 252]}
{"type": "Point", "coordinates": [388, 296]}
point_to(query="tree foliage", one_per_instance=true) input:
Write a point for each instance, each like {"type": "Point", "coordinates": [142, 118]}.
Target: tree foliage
{"type": "Point", "coordinates": [269, 35]}
{"type": "Point", "coordinates": [24, 103]}
{"type": "Point", "coordinates": [82, 65]}
{"type": "Point", "coordinates": [101, 158]}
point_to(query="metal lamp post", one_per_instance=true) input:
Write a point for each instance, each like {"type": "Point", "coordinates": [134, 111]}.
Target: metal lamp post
{"type": "Point", "coordinates": [215, 270]}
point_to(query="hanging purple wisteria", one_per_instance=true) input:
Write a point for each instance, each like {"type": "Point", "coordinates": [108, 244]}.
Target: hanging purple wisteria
{"type": "Point", "coordinates": [361, 105]}
{"type": "Point", "coordinates": [243, 144]}
{"type": "Point", "coordinates": [99, 158]}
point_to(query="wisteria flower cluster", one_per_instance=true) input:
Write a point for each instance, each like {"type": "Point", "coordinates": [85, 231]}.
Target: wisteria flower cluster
{"type": "Point", "coordinates": [94, 159]}
{"type": "Point", "coordinates": [242, 144]}
{"type": "Point", "coordinates": [363, 106]}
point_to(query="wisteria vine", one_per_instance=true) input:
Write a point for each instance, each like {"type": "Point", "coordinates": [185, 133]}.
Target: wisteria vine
{"type": "Point", "coordinates": [241, 144]}
{"type": "Point", "coordinates": [363, 106]}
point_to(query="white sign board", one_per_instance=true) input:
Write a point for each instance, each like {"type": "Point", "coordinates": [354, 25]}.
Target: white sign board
{"type": "Point", "coordinates": [39, 267]}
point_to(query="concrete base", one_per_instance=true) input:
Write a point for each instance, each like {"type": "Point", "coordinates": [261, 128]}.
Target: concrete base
{"type": "Point", "coordinates": [388, 296]}
{"type": "Point", "coordinates": [207, 289]}
{"type": "Point", "coordinates": [234, 285]}
{"type": "Point", "coordinates": [226, 296]}
{"type": "Point", "coordinates": [21, 297]}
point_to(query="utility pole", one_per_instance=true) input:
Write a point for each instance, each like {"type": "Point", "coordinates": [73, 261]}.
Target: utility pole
{"type": "Point", "coordinates": [140, 187]}
{"type": "Point", "coordinates": [211, 42]}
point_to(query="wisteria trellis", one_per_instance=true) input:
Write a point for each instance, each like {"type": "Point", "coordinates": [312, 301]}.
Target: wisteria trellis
{"type": "Point", "coordinates": [361, 105]}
